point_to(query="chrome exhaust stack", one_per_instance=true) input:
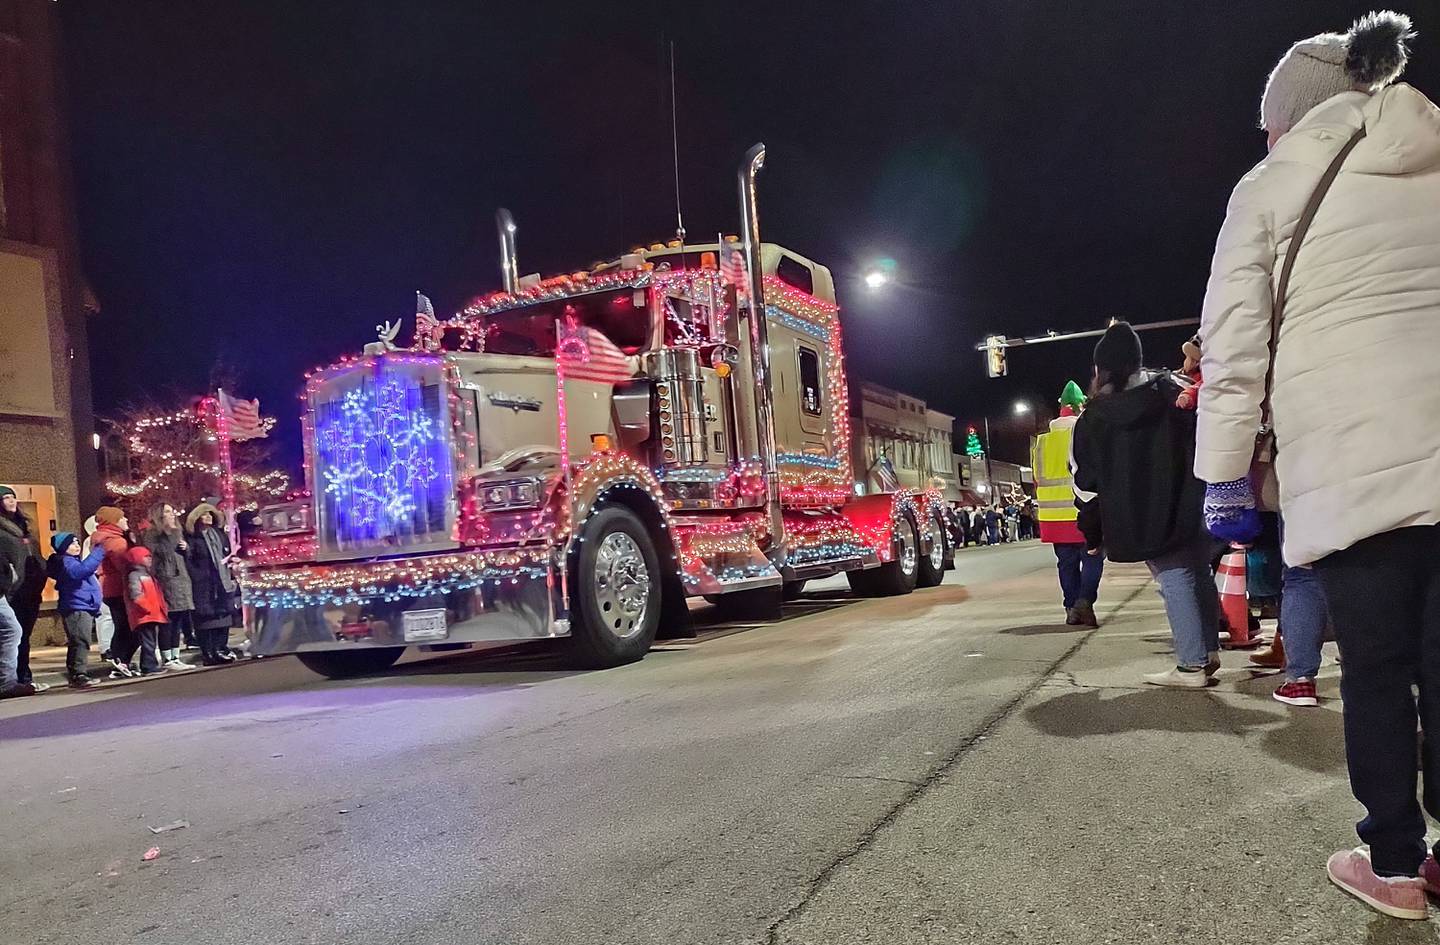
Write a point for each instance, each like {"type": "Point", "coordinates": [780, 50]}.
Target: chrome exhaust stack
{"type": "Point", "coordinates": [759, 338]}
{"type": "Point", "coordinates": [509, 261]}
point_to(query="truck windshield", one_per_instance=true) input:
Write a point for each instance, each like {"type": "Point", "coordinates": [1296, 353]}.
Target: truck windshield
{"type": "Point", "coordinates": [621, 315]}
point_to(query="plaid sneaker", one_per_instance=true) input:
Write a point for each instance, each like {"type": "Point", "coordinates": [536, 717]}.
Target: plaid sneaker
{"type": "Point", "coordinates": [1299, 692]}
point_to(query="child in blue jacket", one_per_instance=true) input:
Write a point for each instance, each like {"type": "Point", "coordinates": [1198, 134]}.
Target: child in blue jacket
{"type": "Point", "coordinates": [79, 605]}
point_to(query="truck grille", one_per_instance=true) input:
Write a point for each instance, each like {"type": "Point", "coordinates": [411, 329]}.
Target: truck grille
{"type": "Point", "coordinates": [383, 471]}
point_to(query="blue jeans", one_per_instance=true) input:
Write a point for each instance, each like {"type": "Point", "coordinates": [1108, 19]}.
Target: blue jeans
{"type": "Point", "coordinates": [1192, 605]}
{"type": "Point", "coordinates": [9, 646]}
{"type": "Point", "coordinates": [1303, 613]}
{"type": "Point", "coordinates": [1079, 573]}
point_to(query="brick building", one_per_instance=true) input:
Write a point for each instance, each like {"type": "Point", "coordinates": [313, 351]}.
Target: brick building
{"type": "Point", "coordinates": [46, 424]}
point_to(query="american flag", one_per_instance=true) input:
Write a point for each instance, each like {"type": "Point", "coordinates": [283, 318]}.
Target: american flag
{"type": "Point", "coordinates": [427, 327]}
{"type": "Point", "coordinates": [885, 475]}
{"type": "Point", "coordinates": [585, 354]}
{"type": "Point", "coordinates": [242, 417]}
{"type": "Point", "coordinates": [732, 268]}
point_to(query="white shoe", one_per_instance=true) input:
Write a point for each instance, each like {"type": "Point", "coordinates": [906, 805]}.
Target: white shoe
{"type": "Point", "coordinates": [117, 674]}
{"type": "Point", "coordinates": [121, 670]}
{"type": "Point", "coordinates": [1176, 678]}
{"type": "Point", "coordinates": [177, 664]}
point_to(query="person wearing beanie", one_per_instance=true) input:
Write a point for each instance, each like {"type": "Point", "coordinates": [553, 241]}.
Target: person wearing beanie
{"type": "Point", "coordinates": [24, 595]}
{"type": "Point", "coordinates": [145, 604]}
{"type": "Point", "coordinates": [1321, 310]}
{"type": "Point", "coordinates": [112, 536]}
{"type": "Point", "coordinates": [79, 601]}
{"type": "Point", "coordinates": [12, 564]}
{"type": "Point", "coordinates": [1079, 571]}
{"type": "Point", "coordinates": [1132, 452]}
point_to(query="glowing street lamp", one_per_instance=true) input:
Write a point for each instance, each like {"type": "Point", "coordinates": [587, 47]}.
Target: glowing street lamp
{"type": "Point", "coordinates": [876, 279]}
{"type": "Point", "coordinates": [1022, 407]}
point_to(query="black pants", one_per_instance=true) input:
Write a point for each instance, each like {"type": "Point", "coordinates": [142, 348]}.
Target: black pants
{"type": "Point", "coordinates": [25, 601]}
{"type": "Point", "coordinates": [1384, 595]}
{"type": "Point", "coordinates": [122, 640]}
{"type": "Point", "coordinates": [79, 628]}
{"type": "Point", "coordinates": [170, 631]}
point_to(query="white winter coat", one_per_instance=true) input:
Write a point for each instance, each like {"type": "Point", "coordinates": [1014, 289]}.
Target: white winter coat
{"type": "Point", "coordinates": [1356, 399]}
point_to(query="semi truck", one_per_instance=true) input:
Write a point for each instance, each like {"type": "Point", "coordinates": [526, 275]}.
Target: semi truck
{"type": "Point", "coordinates": [578, 457]}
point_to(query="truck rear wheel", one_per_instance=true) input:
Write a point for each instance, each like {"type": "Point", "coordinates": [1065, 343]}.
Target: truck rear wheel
{"type": "Point", "coordinates": [897, 576]}
{"type": "Point", "coordinates": [343, 664]}
{"type": "Point", "coordinates": [615, 594]}
{"type": "Point", "coordinates": [933, 563]}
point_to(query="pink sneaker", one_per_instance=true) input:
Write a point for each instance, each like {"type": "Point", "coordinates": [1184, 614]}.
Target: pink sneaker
{"type": "Point", "coordinates": [1402, 897]}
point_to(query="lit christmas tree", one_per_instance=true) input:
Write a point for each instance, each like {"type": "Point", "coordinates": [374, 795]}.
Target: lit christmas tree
{"type": "Point", "coordinates": [972, 443]}
{"type": "Point", "coordinates": [153, 456]}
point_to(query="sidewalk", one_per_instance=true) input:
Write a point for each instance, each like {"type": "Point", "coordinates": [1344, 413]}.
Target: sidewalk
{"type": "Point", "coordinates": [47, 663]}
{"type": "Point", "coordinates": [1096, 809]}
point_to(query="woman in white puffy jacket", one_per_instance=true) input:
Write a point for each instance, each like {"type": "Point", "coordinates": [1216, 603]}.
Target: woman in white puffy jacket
{"type": "Point", "coordinates": [1355, 407]}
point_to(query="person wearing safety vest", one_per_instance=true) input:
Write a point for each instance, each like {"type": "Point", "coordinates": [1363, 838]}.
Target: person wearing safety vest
{"type": "Point", "coordinates": [1055, 497]}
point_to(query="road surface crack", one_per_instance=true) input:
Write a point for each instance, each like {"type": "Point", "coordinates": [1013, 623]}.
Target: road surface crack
{"type": "Point", "coordinates": [942, 770]}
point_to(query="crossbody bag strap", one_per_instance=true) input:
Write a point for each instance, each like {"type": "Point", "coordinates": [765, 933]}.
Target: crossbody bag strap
{"type": "Point", "coordinates": [1277, 309]}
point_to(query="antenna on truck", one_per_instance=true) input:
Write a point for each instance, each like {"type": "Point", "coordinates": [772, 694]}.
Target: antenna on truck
{"type": "Point", "coordinates": [675, 153]}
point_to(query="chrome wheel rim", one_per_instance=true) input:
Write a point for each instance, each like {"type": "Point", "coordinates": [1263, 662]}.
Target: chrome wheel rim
{"type": "Point", "coordinates": [909, 552]}
{"type": "Point", "coordinates": [622, 585]}
{"type": "Point", "coordinates": [937, 548]}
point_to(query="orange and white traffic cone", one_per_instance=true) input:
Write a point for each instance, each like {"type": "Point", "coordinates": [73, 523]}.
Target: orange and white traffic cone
{"type": "Point", "coordinates": [1234, 603]}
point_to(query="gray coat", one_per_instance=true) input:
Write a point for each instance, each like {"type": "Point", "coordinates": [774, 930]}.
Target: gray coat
{"type": "Point", "coordinates": [169, 568]}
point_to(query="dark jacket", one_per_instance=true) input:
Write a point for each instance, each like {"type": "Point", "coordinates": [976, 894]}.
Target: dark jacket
{"type": "Point", "coordinates": [169, 567]}
{"type": "Point", "coordinates": [75, 581]}
{"type": "Point", "coordinates": [13, 553]}
{"type": "Point", "coordinates": [214, 606]}
{"type": "Point", "coordinates": [1133, 455]}
{"type": "Point", "coordinates": [28, 580]}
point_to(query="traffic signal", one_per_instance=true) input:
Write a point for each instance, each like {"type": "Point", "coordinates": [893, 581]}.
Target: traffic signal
{"type": "Point", "coordinates": [995, 356]}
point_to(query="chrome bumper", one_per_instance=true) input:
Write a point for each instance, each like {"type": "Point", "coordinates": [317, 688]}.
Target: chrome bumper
{"type": "Point", "coordinates": [523, 606]}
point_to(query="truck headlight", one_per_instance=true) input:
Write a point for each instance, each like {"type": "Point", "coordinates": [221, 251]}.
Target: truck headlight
{"type": "Point", "coordinates": [512, 494]}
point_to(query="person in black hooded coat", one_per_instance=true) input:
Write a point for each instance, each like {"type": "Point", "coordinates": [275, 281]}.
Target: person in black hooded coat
{"type": "Point", "coordinates": [212, 583]}
{"type": "Point", "coordinates": [1132, 452]}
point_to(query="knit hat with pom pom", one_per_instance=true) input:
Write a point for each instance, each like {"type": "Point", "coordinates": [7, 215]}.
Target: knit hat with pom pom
{"type": "Point", "coordinates": [1369, 57]}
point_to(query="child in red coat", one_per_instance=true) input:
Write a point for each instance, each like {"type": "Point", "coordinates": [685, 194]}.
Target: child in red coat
{"type": "Point", "coordinates": [145, 606]}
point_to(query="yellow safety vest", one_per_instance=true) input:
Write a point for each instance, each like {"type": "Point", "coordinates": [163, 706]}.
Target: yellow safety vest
{"type": "Point", "coordinates": [1054, 486]}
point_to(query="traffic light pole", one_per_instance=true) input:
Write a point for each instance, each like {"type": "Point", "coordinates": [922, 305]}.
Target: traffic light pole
{"type": "Point", "coordinates": [998, 341]}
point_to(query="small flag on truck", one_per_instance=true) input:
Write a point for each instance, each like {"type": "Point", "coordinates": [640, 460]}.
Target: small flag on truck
{"type": "Point", "coordinates": [732, 268]}
{"type": "Point", "coordinates": [584, 354]}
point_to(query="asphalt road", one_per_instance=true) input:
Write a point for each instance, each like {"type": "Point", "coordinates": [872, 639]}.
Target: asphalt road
{"type": "Point", "coordinates": [862, 771]}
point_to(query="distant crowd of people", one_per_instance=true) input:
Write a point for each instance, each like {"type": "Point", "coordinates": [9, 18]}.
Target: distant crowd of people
{"type": "Point", "coordinates": [1002, 523]}
{"type": "Point", "coordinates": [136, 595]}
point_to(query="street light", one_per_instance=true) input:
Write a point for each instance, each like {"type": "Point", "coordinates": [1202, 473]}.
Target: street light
{"type": "Point", "coordinates": [876, 279]}
{"type": "Point", "coordinates": [1022, 407]}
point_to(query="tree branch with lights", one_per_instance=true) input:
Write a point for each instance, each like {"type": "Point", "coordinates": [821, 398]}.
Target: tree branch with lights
{"type": "Point", "coordinates": [156, 452]}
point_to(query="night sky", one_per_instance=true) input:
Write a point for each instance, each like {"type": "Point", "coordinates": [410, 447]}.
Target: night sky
{"type": "Point", "coordinates": [261, 183]}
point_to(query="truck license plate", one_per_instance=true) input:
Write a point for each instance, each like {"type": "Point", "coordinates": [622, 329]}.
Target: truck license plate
{"type": "Point", "coordinates": [424, 625]}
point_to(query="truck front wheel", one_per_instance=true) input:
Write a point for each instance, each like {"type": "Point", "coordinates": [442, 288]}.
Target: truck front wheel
{"type": "Point", "coordinates": [897, 576]}
{"type": "Point", "coordinates": [615, 594]}
{"type": "Point", "coordinates": [343, 664]}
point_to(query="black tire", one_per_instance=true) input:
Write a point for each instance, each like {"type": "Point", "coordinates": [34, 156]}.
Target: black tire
{"type": "Point", "coordinates": [792, 590]}
{"type": "Point", "coordinates": [931, 564]}
{"type": "Point", "coordinates": [345, 664]}
{"type": "Point", "coordinates": [613, 617]}
{"type": "Point", "coordinates": [893, 578]}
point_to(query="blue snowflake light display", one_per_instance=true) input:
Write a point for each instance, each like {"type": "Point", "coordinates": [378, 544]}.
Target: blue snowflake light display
{"type": "Point", "coordinates": [382, 460]}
